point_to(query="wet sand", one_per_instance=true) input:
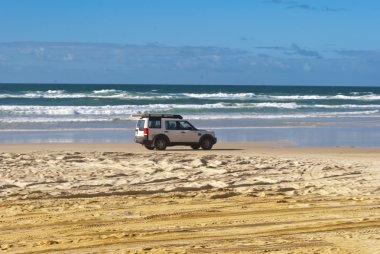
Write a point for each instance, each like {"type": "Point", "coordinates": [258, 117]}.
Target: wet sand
{"type": "Point", "coordinates": [237, 198]}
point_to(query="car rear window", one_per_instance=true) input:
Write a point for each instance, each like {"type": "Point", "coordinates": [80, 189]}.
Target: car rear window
{"type": "Point", "coordinates": [140, 125]}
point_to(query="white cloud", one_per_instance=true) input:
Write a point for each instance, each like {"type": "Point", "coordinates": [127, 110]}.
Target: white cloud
{"type": "Point", "coordinates": [69, 57]}
{"type": "Point", "coordinates": [277, 64]}
{"type": "Point", "coordinates": [106, 63]}
{"type": "Point", "coordinates": [39, 51]}
{"type": "Point", "coordinates": [306, 67]}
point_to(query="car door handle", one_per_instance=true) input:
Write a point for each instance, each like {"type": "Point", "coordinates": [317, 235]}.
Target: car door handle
{"type": "Point", "coordinates": [183, 131]}
{"type": "Point", "coordinates": [166, 131]}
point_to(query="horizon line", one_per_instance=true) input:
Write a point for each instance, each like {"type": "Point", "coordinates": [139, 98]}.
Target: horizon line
{"type": "Point", "coordinates": [176, 84]}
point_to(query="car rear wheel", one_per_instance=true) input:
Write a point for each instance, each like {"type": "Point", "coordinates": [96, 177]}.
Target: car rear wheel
{"type": "Point", "coordinates": [195, 147]}
{"type": "Point", "coordinates": [206, 143]}
{"type": "Point", "coordinates": [149, 147]}
{"type": "Point", "coordinates": [160, 144]}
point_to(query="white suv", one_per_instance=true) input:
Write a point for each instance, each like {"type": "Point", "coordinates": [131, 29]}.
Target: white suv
{"type": "Point", "coordinates": [162, 130]}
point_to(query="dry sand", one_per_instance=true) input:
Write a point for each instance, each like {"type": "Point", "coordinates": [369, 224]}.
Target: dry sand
{"type": "Point", "coordinates": [238, 198]}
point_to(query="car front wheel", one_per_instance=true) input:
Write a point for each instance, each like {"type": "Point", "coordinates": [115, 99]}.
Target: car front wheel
{"type": "Point", "coordinates": [206, 143]}
{"type": "Point", "coordinates": [160, 144]}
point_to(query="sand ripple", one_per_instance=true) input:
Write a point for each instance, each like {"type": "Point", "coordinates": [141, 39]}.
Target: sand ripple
{"type": "Point", "coordinates": [119, 202]}
{"type": "Point", "coordinates": [84, 174]}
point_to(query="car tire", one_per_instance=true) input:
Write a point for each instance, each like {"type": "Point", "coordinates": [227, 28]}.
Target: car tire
{"type": "Point", "coordinates": [207, 143]}
{"type": "Point", "coordinates": [195, 147]}
{"type": "Point", "coordinates": [149, 147]}
{"type": "Point", "coordinates": [160, 144]}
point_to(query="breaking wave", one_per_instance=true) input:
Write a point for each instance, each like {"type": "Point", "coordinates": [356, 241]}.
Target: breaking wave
{"type": "Point", "coordinates": [86, 103]}
{"type": "Point", "coordinates": [16, 113]}
{"type": "Point", "coordinates": [195, 117]}
{"type": "Point", "coordinates": [154, 95]}
{"type": "Point", "coordinates": [129, 109]}
{"type": "Point", "coordinates": [98, 94]}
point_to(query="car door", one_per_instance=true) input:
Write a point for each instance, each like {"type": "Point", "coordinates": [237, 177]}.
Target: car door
{"type": "Point", "coordinates": [172, 131]}
{"type": "Point", "coordinates": [188, 133]}
{"type": "Point", "coordinates": [154, 125]}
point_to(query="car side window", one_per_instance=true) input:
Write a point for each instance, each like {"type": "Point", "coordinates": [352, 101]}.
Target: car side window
{"type": "Point", "coordinates": [183, 125]}
{"type": "Point", "coordinates": [155, 123]}
{"type": "Point", "coordinates": [171, 125]}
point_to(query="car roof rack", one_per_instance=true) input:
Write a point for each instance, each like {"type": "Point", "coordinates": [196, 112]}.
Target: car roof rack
{"type": "Point", "coordinates": [158, 116]}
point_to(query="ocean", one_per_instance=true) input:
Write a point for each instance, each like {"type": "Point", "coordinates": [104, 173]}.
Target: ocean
{"type": "Point", "coordinates": [30, 112]}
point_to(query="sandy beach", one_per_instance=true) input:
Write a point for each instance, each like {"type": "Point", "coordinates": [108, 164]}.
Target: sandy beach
{"type": "Point", "coordinates": [236, 198]}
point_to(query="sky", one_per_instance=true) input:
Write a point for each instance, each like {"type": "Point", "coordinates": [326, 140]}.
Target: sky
{"type": "Point", "coordinates": [247, 42]}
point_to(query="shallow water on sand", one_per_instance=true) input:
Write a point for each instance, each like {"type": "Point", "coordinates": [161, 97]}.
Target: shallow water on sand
{"type": "Point", "coordinates": [311, 133]}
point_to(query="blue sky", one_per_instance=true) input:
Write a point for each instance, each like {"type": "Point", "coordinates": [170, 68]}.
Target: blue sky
{"type": "Point", "coordinates": [277, 42]}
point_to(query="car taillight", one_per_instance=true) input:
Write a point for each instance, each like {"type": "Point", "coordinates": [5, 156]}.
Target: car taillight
{"type": "Point", "coordinates": [146, 132]}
